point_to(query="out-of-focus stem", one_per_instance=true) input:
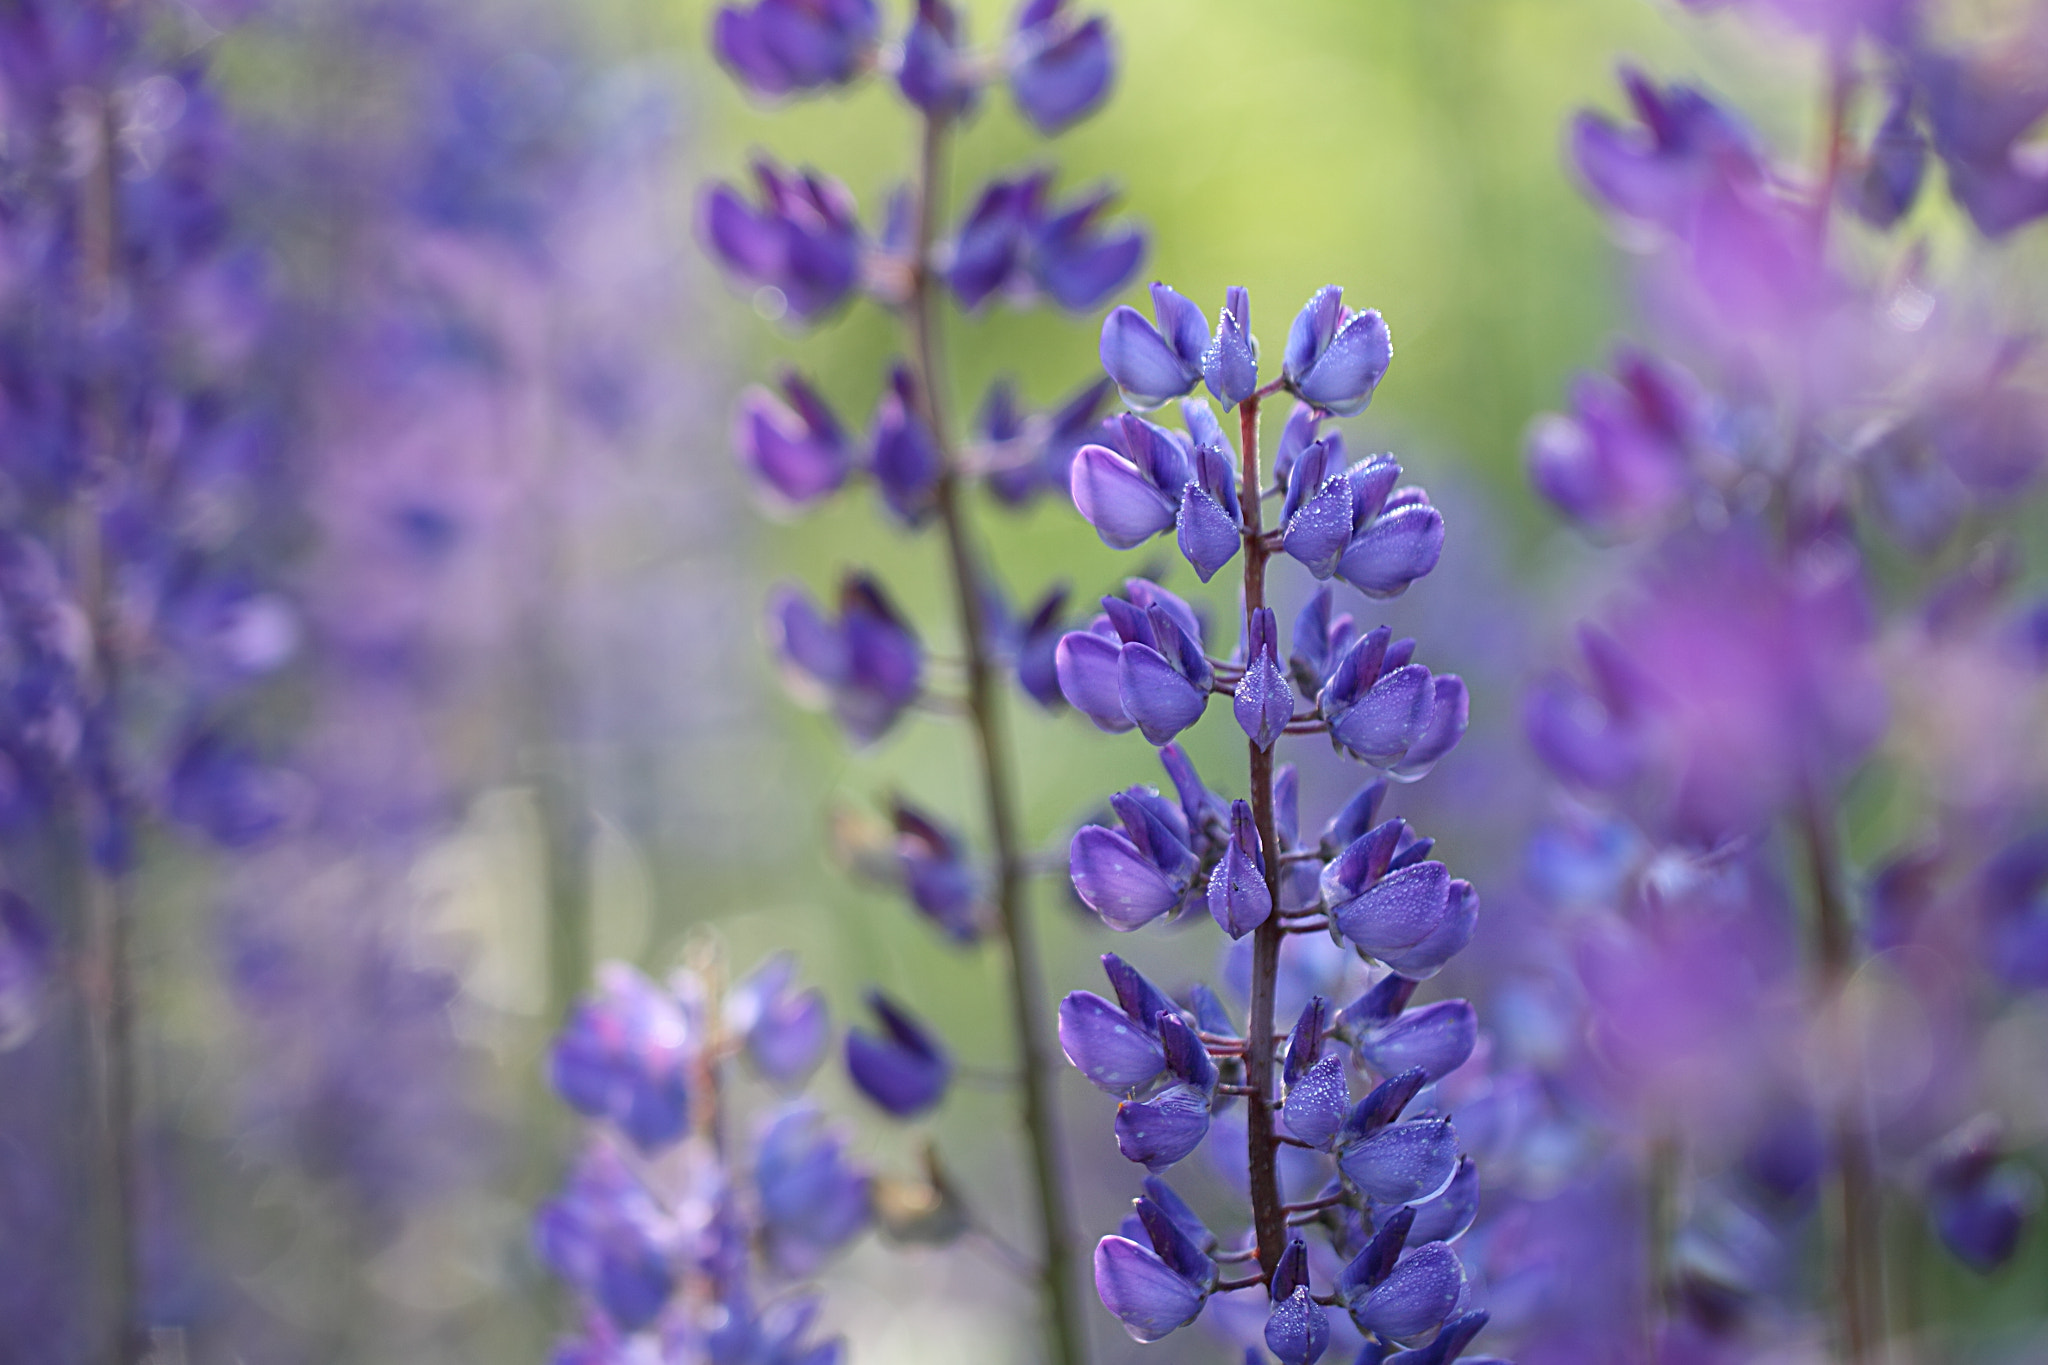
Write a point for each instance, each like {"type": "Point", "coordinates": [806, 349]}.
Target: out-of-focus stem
{"type": "Point", "coordinates": [1857, 1234]}
{"type": "Point", "coordinates": [109, 988]}
{"type": "Point", "coordinates": [1662, 1231]}
{"type": "Point", "coordinates": [1269, 1218]}
{"type": "Point", "coordinates": [1065, 1335]}
{"type": "Point", "coordinates": [1840, 90]}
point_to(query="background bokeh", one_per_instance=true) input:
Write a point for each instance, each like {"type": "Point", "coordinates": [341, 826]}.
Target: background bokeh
{"type": "Point", "coordinates": [626, 778]}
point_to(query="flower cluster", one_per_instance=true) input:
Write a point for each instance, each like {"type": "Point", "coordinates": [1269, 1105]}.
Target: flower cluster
{"type": "Point", "coordinates": [1799, 456]}
{"type": "Point", "coordinates": [236, 588]}
{"type": "Point", "coordinates": [797, 241]}
{"type": "Point", "coordinates": [670, 1236]}
{"type": "Point", "coordinates": [1383, 1182]}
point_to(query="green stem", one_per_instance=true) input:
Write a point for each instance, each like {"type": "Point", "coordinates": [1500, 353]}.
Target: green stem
{"type": "Point", "coordinates": [998, 782]}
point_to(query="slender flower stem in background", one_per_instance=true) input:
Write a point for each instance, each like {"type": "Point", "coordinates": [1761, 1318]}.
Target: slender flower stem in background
{"type": "Point", "coordinates": [1834, 150]}
{"type": "Point", "coordinates": [110, 989]}
{"type": "Point", "coordinates": [984, 709]}
{"type": "Point", "coordinates": [1269, 1217]}
{"type": "Point", "coordinates": [1857, 1236]}
{"type": "Point", "coordinates": [1858, 1233]}
{"type": "Point", "coordinates": [1666, 1168]}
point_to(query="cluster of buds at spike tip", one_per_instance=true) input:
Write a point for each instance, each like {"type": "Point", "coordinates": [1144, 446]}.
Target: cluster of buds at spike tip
{"type": "Point", "coordinates": [663, 1236]}
{"type": "Point", "coordinates": [1348, 521]}
{"type": "Point", "coordinates": [1356, 1091]}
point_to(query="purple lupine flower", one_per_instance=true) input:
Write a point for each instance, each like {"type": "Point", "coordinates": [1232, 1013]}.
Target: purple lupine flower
{"type": "Point", "coordinates": [624, 1056]}
{"type": "Point", "coordinates": [1153, 365]}
{"type": "Point", "coordinates": [1316, 1105]}
{"type": "Point", "coordinates": [1402, 1299]}
{"type": "Point", "coordinates": [903, 454]}
{"type": "Point", "coordinates": [803, 242]}
{"type": "Point", "coordinates": [1298, 1331]}
{"type": "Point", "coordinates": [1303, 429]}
{"type": "Point", "coordinates": [1447, 1217]}
{"type": "Point", "coordinates": [1133, 876]}
{"type": "Point", "coordinates": [1416, 1297]}
{"type": "Point", "coordinates": [1264, 703]}
{"type": "Point", "coordinates": [865, 665]}
{"type": "Point", "coordinates": [1435, 1040]}
{"type": "Point", "coordinates": [1238, 898]}
{"type": "Point", "coordinates": [1060, 70]}
{"type": "Point", "coordinates": [1325, 504]}
{"type": "Point", "coordinates": [669, 1248]}
{"type": "Point", "coordinates": [988, 250]}
{"type": "Point", "coordinates": [1978, 110]}
{"type": "Point", "coordinates": [1075, 260]}
{"type": "Point", "coordinates": [1207, 528]}
{"type": "Point", "coordinates": [1686, 146]}
{"type": "Point", "coordinates": [1141, 664]}
{"type": "Point", "coordinates": [25, 965]}
{"type": "Point", "coordinates": [1162, 676]}
{"type": "Point", "coordinates": [1230, 362]}
{"type": "Point", "coordinates": [904, 1070]}
{"type": "Point", "coordinates": [1130, 488]}
{"type": "Point", "coordinates": [2012, 911]}
{"type": "Point", "coordinates": [936, 75]}
{"type": "Point", "coordinates": [607, 1235]}
{"type": "Point", "coordinates": [1031, 456]}
{"type": "Point", "coordinates": [1116, 1051]}
{"type": "Point", "coordinates": [1168, 1126]}
{"type": "Point", "coordinates": [796, 451]}
{"type": "Point", "coordinates": [780, 47]}
{"type": "Point", "coordinates": [1036, 651]}
{"type": "Point", "coordinates": [1395, 548]}
{"type": "Point", "coordinates": [1978, 1201]}
{"type": "Point", "coordinates": [1015, 242]}
{"type": "Point", "coordinates": [1989, 431]}
{"type": "Point", "coordinates": [1729, 686]}
{"type": "Point", "coordinates": [1149, 1296]}
{"type": "Point", "coordinates": [1407, 1162]}
{"type": "Point", "coordinates": [1382, 709]}
{"type": "Point", "coordinates": [813, 1199]}
{"type": "Point", "coordinates": [937, 876]}
{"type": "Point", "coordinates": [786, 1031]}
{"type": "Point", "coordinates": [1619, 462]}
{"type": "Point", "coordinates": [1449, 1344]}
{"type": "Point", "coordinates": [1389, 902]}
{"type": "Point", "coordinates": [1336, 357]}
{"type": "Point", "coordinates": [1894, 167]}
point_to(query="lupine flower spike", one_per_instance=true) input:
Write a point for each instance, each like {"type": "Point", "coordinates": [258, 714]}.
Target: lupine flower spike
{"type": "Point", "coordinates": [1398, 1187]}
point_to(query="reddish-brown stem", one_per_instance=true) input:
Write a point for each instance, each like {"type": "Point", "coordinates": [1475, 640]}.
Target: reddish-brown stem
{"type": "Point", "coordinates": [1834, 152]}
{"type": "Point", "coordinates": [1269, 1220]}
{"type": "Point", "coordinates": [1857, 1234]}
{"type": "Point", "coordinates": [1064, 1335]}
